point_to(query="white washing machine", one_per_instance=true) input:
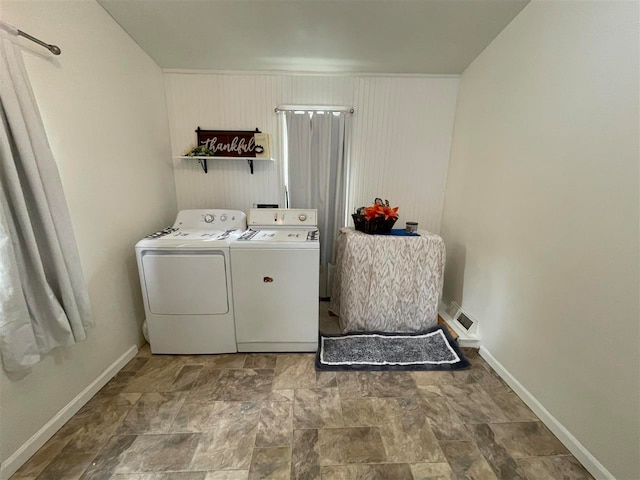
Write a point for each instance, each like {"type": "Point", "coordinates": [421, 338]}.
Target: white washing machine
{"type": "Point", "coordinates": [275, 268]}
{"type": "Point", "coordinates": [185, 277]}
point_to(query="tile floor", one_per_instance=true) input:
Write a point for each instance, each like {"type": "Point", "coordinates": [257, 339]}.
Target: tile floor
{"type": "Point", "coordinates": [272, 416]}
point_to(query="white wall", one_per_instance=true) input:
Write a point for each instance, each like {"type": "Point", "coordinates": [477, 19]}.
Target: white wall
{"type": "Point", "coordinates": [541, 215]}
{"type": "Point", "coordinates": [402, 130]}
{"type": "Point", "coordinates": [102, 102]}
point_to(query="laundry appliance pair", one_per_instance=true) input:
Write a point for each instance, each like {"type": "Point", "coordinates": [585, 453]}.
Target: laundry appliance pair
{"type": "Point", "coordinates": [210, 285]}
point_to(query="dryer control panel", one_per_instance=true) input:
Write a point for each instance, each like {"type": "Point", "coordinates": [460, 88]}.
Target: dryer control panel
{"type": "Point", "coordinates": [210, 218]}
{"type": "Point", "coordinates": [291, 217]}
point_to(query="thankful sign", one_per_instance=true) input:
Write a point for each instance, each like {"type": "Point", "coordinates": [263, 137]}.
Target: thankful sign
{"type": "Point", "coordinates": [235, 143]}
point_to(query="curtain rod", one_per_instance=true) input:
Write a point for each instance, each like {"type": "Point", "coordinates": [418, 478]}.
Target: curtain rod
{"type": "Point", "coordinates": [13, 30]}
{"type": "Point", "coordinates": [313, 108]}
{"type": "Point", "coordinates": [52, 48]}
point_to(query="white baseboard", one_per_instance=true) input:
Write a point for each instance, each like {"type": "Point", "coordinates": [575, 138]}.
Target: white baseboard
{"type": "Point", "coordinates": [31, 446]}
{"type": "Point", "coordinates": [578, 450]}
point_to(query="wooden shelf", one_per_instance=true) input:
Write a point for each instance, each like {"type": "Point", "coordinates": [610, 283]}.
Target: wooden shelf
{"type": "Point", "coordinates": [203, 160]}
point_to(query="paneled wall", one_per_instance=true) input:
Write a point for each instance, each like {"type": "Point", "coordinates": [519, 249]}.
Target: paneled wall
{"type": "Point", "coordinates": [401, 135]}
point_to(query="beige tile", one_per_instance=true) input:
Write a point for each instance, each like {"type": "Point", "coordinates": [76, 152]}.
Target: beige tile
{"type": "Point", "coordinates": [433, 378]}
{"type": "Point", "coordinates": [282, 395]}
{"type": "Point", "coordinates": [158, 453]}
{"type": "Point", "coordinates": [138, 476]}
{"type": "Point", "coordinates": [204, 387]}
{"type": "Point", "coordinates": [160, 476]}
{"type": "Point", "coordinates": [275, 428]}
{"type": "Point", "coordinates": [445, 423]}
{"type": "Point", "coordinates": [376, 384]}
{"type": "Point", "coordinates": [225, 361]}
{"type": "Point", "coordinates": [295, 371]}
{"type": "Point", "coordinates": [472, 354]}
{"type": "Point", "coordinates": [512, 406]}
{"type": "Point", "coordinates": [186, 476]}
{"type": "Point", "coordinates": [564, 467]}
{"type": "Point", "coordinates": [229, 433]}
{"type": "Point", "coordinates": [222, 416]}
{"type": "Point", "coordinates": [100, 400]}
{"type": "Point", "coordinates": [261, 360]}
{"type": "Point", "coordinates": [228, 475]}
{"type": "Point", "coordinates": [406, 432]}
{"type": "Point", "coordinates": [104, 464]}
{"type": "Point", "coordinates": [305, 459]}
{"type": "Point", "coordinates": [135, 364]}
{"type": "Point", "coordinates": [270, 463]}
{"type": "Point", "coordinates": [145, 351]}
{"type": "Point", "coordinates": [488, 378]}
{"type": "Point", "coordinates": [37, 463]}
{"type": "Point", "coordinates": [153, 413]}
{"type": "Point", "coordinates": [350, 445]}
{"type": "Point", "coordinates": [360, 412]}
{"type": "Point", "coordinates": [472, 404]}
{"type": "Point", "coordinates": [466, 461]}
{"type": "Point", "coordinates": [527, 439]}
{"type": "Point", "coordinates": [96, 429]}
{"type": "Point", "coordinates": [389, 471]}
{"type": "Point", "coordinates": [186, 378]}
{"type": "Point", "coordinates": [67, 466]}
{"type": "Point", "coordinates": [117, 384]}
{"type": "Point", "coordinates": [233, 385]}
{"type": "Point", "coordinates": [430, 391]}
{"type": "Point", "coordinates": [159, 374]}
{"type": "Point", "coordinates": [432, 471]}
{"type": "Point", "coordinates": [317, 408]}
{"type": "Point", "coordinates": [396, 471]}
{"type": "Point", "coordinates": [392, 422]}
{"type": "Point", "coordinates": [335, 472]}
{"type": "Point", "coordinates": [503, 465]}
{"type": "Point", "coordinates": [326, 379]}
{"type": "Point", "coordinates": [403, 426]}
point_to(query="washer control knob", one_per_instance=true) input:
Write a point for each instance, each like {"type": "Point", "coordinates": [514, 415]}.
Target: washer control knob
{"type": "Point", "coordinates": [223, 217]}
{"type": "Point", "coordinates": [209, 218]}
{"type": "Point", "coordinates": [302, 217]}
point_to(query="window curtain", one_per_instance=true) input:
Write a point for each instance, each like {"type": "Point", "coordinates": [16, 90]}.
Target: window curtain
{"type": "Point", "coordinates": [44, 301]}
{"type": "Point", "coordinates": [317, 175]}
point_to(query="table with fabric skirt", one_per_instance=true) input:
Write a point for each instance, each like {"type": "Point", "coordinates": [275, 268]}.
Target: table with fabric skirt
{"type": "Point", "coordinates": [387, 283]}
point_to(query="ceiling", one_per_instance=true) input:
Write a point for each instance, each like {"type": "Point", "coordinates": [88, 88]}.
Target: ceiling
{"type": "Point", "coordinates": [374, 36]}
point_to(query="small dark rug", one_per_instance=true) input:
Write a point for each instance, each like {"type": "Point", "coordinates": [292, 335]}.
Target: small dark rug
{"type": "Point", "coordinates": [433, 349]}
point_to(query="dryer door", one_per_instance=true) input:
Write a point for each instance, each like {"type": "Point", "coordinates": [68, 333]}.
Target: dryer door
{"type": "Point", "coordinates": [185, 283]}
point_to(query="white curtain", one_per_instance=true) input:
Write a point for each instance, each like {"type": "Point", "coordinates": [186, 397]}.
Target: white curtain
{"type": "Point", "coordinates": [44, 301]}
{"type": "Point", "coordinates": [317, 152]}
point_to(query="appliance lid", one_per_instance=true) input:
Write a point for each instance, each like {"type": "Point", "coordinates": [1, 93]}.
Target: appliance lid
{"type": "Point", "coordinates": [194, 239]}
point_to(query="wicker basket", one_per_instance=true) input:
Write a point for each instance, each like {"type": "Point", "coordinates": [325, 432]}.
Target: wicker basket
{"type": "Point", "coordinates": [373, 226]}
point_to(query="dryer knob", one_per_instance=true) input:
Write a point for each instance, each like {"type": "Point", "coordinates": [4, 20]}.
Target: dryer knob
{"type": "Point", "coordinates": [209, 218]}
{"type": "Point", "coordinates": [302, 217]}
{"type": "Point", "coordinates": [223, 217]}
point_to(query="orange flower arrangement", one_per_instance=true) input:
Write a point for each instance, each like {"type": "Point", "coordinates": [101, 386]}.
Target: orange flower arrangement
{"type": "Point", "coordinates": [377, 218]}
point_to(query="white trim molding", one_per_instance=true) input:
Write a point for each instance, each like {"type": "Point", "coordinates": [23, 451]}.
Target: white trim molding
{"type": "Point", "coordinates": [308, 73]}
{"type": "Point", "coordinates": [584, 456]}
{"type": "Point", "coordinates": [31, 446]}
